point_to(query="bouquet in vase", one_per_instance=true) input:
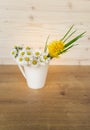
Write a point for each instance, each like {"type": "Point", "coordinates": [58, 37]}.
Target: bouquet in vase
{"type": "Point", "coordinates": [35, 62]}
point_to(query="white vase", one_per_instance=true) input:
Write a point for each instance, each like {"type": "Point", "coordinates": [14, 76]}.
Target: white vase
{"type": "Point", "coordinates": [35, 76]}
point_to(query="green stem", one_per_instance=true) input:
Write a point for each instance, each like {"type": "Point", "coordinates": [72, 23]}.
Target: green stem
{"type": "Point", "coordinates": [45, 49]}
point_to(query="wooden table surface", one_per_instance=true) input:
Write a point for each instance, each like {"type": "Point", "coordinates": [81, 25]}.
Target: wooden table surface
{"type": "Point", "coordinates": [63, 104]}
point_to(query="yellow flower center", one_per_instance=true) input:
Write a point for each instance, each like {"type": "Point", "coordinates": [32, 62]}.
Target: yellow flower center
{"type": "Point", "coordinates": [13, 52]}
{"type": "Point", "coordinates": [27, 48]}
{"type": "Point", "coordinates": [41, 60]}
{"type": "Point", "coordinates": [37, 53]}
{"type": "Point", "coordinates": [22, 53]}
{"type": "Point", "coordinates": [28, 53]}
{"type": "Point", "coordinates": [45, 57]}
{"type": "Point", "coordinates": [27, 59]}
{"type": "Point", "coordinates": [34, 62]}
{"type": "Point", "coordinates": [20, 59]}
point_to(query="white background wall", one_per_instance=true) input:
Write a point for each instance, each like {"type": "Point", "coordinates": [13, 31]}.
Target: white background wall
{"type": "Point", "coordinates": [29, 22]}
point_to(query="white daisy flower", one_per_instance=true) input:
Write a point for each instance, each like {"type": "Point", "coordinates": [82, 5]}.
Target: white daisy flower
{"type": "Point", "coordinates": [29, 53]}
{"type": "Point", "coordinates": [27, 60]}
{"type": "Point", "coordinates": [28, 56]}
{"type": "Point", "coordinates": [44, 59]}
{"type": "Point", "coordinates": [14, 52]}
{"type": "Point", "coordinates": [19, 60]}
{"type": "Point", "coordinates": [34, 62]}
{"type": "Point", "coordinates": [41, 62]}
{"type": "Point", "coordinates": [37, 53]}
{"type": "Point", "coordinates": [22, 53]}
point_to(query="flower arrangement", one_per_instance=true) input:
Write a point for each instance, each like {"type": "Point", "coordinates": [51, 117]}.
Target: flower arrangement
{"type": "Point", "coordinates": [28, 56]}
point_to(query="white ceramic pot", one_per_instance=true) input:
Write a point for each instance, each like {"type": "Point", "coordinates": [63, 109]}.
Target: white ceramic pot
{"type": "Point", "coordinates": [35, 76]}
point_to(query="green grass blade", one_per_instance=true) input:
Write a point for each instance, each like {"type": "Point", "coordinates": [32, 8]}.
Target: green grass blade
{"type": "Point", "coordinates": [67, 32]}
{"type": "Point", "coordinates": [73, 40]}
{"type": "Point", "coordinates": [68, 48]}
{"type": "Point", "coordinates": [69, 36]}
{"type": "Point", "coordinates": [45, 49]}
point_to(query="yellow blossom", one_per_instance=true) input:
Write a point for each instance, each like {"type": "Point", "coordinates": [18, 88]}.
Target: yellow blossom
{"type": "Point", "coordinates": [55, 47]}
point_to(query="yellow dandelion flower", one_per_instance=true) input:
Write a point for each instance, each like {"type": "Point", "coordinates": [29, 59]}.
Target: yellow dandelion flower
{"type": "Point", "coordinates": [55, 47]}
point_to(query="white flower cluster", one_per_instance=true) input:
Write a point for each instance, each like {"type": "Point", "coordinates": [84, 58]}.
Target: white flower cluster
{"type": "Point", "coordinates": [28, 56]}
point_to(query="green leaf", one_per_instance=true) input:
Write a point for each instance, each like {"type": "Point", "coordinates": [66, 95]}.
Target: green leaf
{"type": "Point", "coordinates": [45, 49]}
{"type": "Point", "coordinates": [67, 32]}
{"type": "Point", "coordinates": [73, 40]}
{"type": "Point", "coordinates": [68, 48]}
{"type": "Point", "coordinates": [69, 36]}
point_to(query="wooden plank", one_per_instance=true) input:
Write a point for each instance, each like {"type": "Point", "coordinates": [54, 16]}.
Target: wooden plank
{"type": "Point", "coordinates": [64, 102]}
{"type": "Point", "coordinates": [51, 5]}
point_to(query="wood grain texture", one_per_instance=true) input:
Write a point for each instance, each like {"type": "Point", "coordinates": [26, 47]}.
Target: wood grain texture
{"type": "Point", "coordinates": [63, 104]}
{"type": "Point", "coordinates": [29, 22]}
